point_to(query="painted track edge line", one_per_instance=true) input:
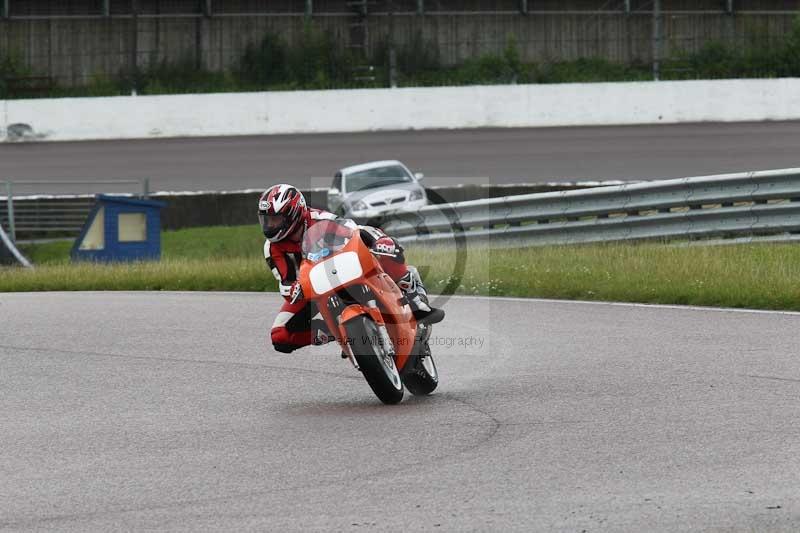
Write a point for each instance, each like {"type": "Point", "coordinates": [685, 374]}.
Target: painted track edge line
{"type": "Point", "coordinates": [462, 297]}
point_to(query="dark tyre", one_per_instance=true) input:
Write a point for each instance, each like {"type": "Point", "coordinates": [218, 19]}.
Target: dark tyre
{"type": "Point", "coordinates": [374, 360]}
{"type": "Point", "coordinates": [423, 378]}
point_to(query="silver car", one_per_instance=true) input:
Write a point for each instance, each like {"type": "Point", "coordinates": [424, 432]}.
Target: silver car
{"type": "Point", "coordinates": [374, 190]}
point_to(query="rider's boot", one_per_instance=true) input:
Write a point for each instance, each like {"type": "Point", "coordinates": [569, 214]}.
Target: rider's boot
{"type": "Point", "coordinates": [414, 290]}
{"type": "Point", "coordinates": [319, 333]}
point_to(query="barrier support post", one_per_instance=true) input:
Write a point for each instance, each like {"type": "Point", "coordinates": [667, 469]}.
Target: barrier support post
{"type": "Point", "coordinates": [12, 230]}
{"type": "Point", "coordinates": [657, 40]}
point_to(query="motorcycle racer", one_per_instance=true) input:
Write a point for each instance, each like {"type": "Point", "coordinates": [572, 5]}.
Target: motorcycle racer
{"type": "Point", "coordinates": [284, 218]}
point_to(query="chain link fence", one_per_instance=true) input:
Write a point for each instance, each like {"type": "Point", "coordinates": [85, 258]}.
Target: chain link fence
{"type": "Point", "coordinates": [98, 47]}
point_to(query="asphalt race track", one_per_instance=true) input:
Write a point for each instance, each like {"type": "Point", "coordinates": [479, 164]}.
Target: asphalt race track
{"type": "Point", "coordinates": [136, 411]}
{"type": "Point", "coordinates": [447, 157]}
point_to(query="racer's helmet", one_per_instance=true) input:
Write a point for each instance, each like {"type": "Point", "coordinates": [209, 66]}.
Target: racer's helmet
{"type": "Point", "coordinates": [281, 210]}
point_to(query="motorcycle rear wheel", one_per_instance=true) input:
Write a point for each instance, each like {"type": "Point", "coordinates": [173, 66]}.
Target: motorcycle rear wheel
{"type": "Point", "coordinates": [374, 360]}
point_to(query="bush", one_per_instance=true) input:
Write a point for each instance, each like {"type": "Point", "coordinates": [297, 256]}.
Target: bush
{"type": "Point", "coordinates": [318, 62]}
{"type": "Point", "coordinates": [789, 55]}
{"type": "Point", "coordinates": [495, 69]}
{"type": "Point", "coordinates": [591, 70]}
{"type": "Point", "coordinates": [11, 66]}
{"type": "Point", "coordinates": [760, 58]}
{"type": "Point", "coordinates": [418, 65]}
{"type": "Point", "coordinates": [418, 57]}
{"type": "Point", "coordinates": [715, 60]}
{"type": "Point", "coordinates": [266, 63]}
{"type": "Point", "coordinates": [183, 76]}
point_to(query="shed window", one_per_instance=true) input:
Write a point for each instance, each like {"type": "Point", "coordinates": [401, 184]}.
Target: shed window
{"type": "Point", "coordinates": [95, 238]}
{"type": "Point", "coordinates": [132, 227]}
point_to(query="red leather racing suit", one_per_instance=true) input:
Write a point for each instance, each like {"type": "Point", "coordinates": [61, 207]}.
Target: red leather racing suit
{"type": "Point", "coordinates": [292, 328]}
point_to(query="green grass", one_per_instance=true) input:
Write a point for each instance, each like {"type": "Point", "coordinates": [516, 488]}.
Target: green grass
{"type": "Point", "coordinates": [759, 276]}
{"type": "Point", "coordinates": [232, 274]}
{"type": "Point", "coordinates": [202, 259]}
{"type": "Point", "coordinates": [762, 276]}
{"type": "Point", "coordinates": [218, 242]}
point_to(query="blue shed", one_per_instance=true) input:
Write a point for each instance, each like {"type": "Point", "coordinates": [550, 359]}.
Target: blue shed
{"type": "Point", "coordinates": [120, 229]}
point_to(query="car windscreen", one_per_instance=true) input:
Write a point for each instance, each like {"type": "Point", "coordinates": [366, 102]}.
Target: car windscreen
{"type": "Point", "coordinates": [377, 177]}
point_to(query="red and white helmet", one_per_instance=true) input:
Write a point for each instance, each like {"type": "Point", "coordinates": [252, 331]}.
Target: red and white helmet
{"type": "Point", "coordinates": [281, 210]}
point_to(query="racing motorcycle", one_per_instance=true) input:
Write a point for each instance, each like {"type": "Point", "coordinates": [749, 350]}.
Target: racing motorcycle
{"type": "Point", "coordinates": [366, 311]}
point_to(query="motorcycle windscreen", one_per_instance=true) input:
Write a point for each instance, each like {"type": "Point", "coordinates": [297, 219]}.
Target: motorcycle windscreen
{"type": "Point", "coordinates": [327, 237]}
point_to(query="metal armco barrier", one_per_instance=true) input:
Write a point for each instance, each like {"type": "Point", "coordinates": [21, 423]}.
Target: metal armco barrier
{"type": "Point", "coordinates": [43, 216]}
{"type": "Point", "coordinates": [755, 203]}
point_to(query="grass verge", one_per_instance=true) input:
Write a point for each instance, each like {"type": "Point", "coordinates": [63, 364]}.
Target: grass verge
{"type": "Point", "coordinates": [759, 276]}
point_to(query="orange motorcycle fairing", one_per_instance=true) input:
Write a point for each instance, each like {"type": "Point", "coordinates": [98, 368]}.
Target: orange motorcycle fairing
{"type": "Point", "coordinates": [355, 310]}
{"type": "Point", "coordinates": [390, 310]}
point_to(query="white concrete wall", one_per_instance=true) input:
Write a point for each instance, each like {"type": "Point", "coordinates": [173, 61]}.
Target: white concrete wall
{"type": "Point", "coordinates": [401, 109]}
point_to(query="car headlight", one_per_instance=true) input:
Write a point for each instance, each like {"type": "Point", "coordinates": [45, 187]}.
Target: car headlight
{"type": "Point", "coordinates": [415, 195]}
{"type": "Point", "coordinates": [360, 206]}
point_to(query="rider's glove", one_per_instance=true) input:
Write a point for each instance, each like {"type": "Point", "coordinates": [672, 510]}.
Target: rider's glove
{"type": "Point", "coordinates": [286, 289]}
{"type": "Point", "coordinates": [295, 293]}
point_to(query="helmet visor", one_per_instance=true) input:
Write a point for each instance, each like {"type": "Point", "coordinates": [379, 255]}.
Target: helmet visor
{"type": "Point", "coordinates": [271, 225]}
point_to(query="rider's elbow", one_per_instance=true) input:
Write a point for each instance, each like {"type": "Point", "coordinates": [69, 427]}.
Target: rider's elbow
{"type": "Point", "coordinates": [284, 348]}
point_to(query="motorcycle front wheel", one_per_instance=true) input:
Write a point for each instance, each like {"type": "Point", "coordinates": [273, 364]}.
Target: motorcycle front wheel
{"type": "Point", "coordinates": [374, 360]}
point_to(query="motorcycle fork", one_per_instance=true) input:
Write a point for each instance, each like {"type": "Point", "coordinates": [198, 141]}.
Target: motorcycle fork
{"type": "Point", "coordinates": [386, 340]}
{"type": "Point", "coordinates": [343, 314]}
{"type": "Point", "coordinates": [335, 309]}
